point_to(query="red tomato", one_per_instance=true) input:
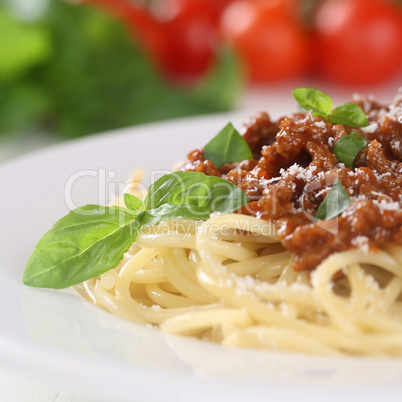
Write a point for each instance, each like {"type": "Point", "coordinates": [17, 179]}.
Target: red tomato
{"type": "Point", "coordinates": [268, 39]}
{"type": "Point", "coordinates": [359, 41]}
{"type": "Point", "coordinates": [190, 28]}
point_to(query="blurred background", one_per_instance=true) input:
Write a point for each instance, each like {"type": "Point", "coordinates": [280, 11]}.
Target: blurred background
{"type": "Point", "coordinates": [74, 68]}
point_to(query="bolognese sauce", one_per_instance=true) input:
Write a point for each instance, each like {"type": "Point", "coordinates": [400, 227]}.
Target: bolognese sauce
{"type": "Point", "coordinates": [294, 168]}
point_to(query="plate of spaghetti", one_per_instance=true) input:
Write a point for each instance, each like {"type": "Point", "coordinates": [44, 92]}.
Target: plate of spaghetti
{"type": "Point", "coordinates": [238, 258]}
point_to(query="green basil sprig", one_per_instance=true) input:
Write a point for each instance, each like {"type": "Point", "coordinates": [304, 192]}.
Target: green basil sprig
{"type": "Point", "coordinates": [349, 114]}
{"type": "Point", "coordinates": [313, 99]}
{"type": "Point", "coordinates": [190, 195]}
{"type": "Point", "coordinates": [84, 244]}
{"type": "Point", "coordinates": [226, 147]}
{"type": "Point", "coordinates": [334, 203]}
{"type": "Point", "coordinates": [321, 105]}
{"type": "Point", "coordinates": [91, 240]}
{"type": "Point", "coordinates": [133, 203]}
{"type": "Point", "coordinates": [348, 146]}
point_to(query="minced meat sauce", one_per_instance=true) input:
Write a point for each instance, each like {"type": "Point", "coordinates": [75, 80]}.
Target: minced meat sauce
{"type": "Point", "coordinates": [293, 169]}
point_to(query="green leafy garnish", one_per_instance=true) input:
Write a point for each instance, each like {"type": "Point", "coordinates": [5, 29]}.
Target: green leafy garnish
{"type": "Point", "coordinates": [350, 115]}
{"type": "Point", "coordinates": [321, 105]}
{"type": "Point", "coordinates": [226, 147]}
{"type": "Point", "coordinates": [84, 244]}
{"type": "Point", "coordinates": [334, 203]}
{"type": "Point", "coordinates": [348, 146]}
{"type": "Point", "coordinates": [313, 99]}
{"type": "Point", "coordinates": [133, 203]}
{"type": "Point", "coordinates": [190, 195]}
{"type": "Point", "coordinates": [91, 240]}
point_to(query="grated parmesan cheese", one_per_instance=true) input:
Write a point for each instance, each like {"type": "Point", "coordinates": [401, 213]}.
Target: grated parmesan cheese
{"type": "Point", "coordinates": [388, 206]}
{"type": "Point", "coordinates": [362, 243]}
{"type": "Point", "coordinates": [371, 129]}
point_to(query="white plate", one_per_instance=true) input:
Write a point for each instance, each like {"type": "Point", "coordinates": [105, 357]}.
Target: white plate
{"type": "Point", "coordinates": [57, 338]}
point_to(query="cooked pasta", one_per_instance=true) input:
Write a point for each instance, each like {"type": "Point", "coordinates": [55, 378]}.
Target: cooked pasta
{"type": "Point", "coordinates": [216, 281]}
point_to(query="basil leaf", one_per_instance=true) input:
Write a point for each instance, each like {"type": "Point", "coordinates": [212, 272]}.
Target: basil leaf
{"type": "Point", "coordinates": [191, 195]}
{"type": "Point", "coordinates": [348, 146]}
{"type": "Point", "coordinates": [334, 203]}
{"type": "Point", "coordinates": [313, 99]}
{"type": "Point", "coordinates": [168, 211]}
{"type": "Point", "coordinates": [350, 115]}
{"type": "Point", "coordinates": [227, 146]}
{"type": "Point", "coordinates": [133, 203]}
{"type": "Point", "coordinates": [82, 245]}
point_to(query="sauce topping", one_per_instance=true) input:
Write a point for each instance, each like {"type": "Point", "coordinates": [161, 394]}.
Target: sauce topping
{"type": "Point", "coordinates": [293, 169]}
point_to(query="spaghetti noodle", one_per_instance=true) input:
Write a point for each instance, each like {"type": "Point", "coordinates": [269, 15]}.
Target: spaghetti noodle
{"type": "Point", "coordinates": [241, 290]}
